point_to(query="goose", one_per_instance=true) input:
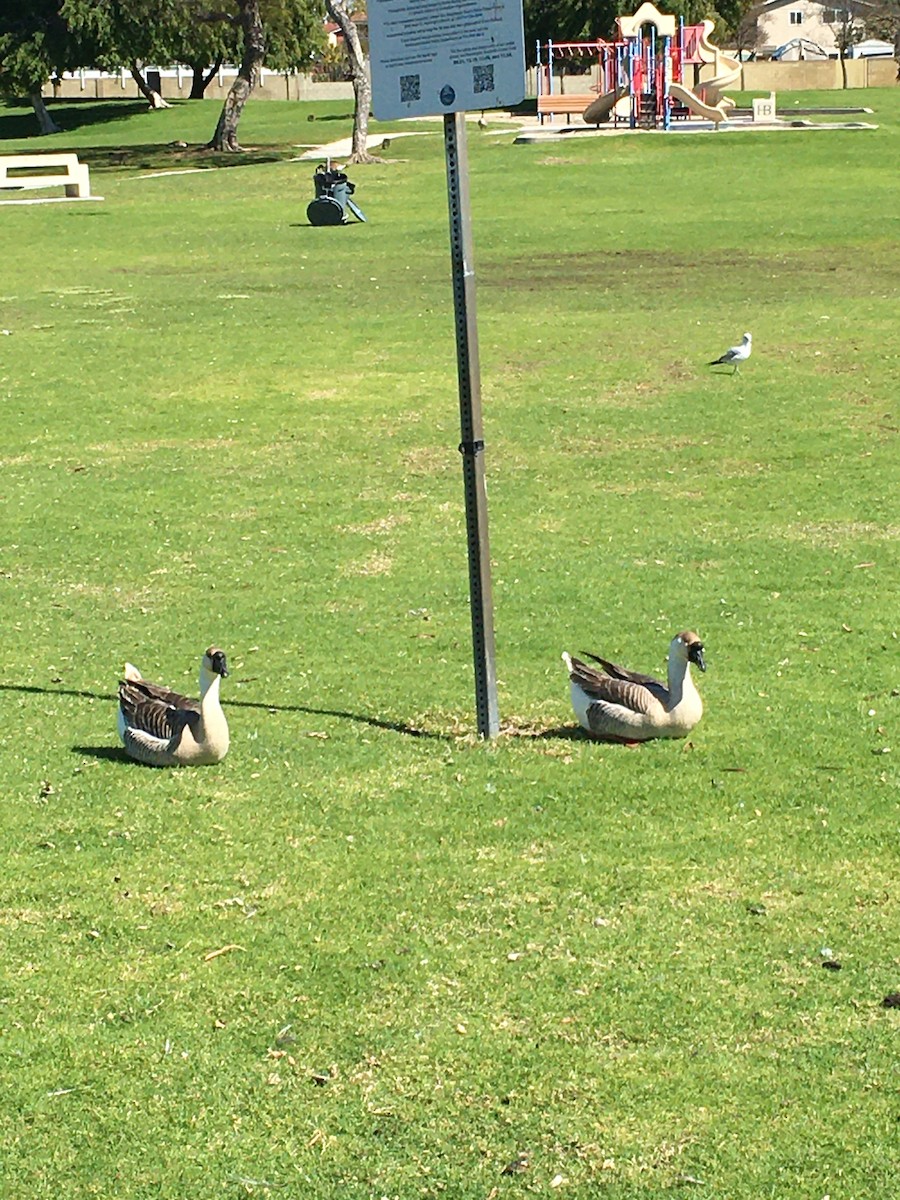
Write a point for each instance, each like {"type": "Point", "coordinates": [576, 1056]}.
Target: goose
{"type": "Point", "coordinates": [165, 729]}
{"type": "Point", "coordinates": [735, 355]}
{"type": "Point", "coordinates": [615, 705]}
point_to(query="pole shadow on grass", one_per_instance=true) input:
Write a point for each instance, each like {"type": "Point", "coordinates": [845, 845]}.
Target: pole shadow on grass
{"type": "Point", "coordinates": [564, 733]}
{"type": "Point", "coordinates": [341, 714]}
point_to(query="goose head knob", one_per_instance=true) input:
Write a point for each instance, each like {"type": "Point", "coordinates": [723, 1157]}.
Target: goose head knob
{"type": "Point", "coordinates": [688, 647]}
{"type": "Point", "coordinates": [214, 662]}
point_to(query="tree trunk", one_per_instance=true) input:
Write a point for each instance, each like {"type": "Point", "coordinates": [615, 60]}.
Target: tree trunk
{"type": "Point", "coordinates": [362, 87]}
{"type": "Point", "coordinates": [44, 120]}
{"type": "Point", "coordinates": [254, 52]}
{"type": "Point", "coordinates": [199, 81]}
{"type": "Point", "coordinates": [843, 59]}
{"type": "Point", "coordinates": [153, 98]}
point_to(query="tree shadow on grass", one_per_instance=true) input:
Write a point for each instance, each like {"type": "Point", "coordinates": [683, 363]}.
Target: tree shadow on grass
{"type": "Point", "coordinates": [71, 115]}
{"type": "Point", "coordinates": [512, 729]}
{"type": "Point", "coordinates": [174, 156]}
{"type": "Point", "coordinates": [340, 714]}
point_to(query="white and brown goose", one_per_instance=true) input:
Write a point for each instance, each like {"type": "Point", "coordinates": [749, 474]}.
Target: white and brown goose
{"type": "Point", "coordinates": [617, 705]}
{"type": "Point", "coordinates": [165, 729]}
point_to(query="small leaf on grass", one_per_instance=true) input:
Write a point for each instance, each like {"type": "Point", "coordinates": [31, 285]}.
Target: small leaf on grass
{"type": "Point", "coordinates": [222, 950]}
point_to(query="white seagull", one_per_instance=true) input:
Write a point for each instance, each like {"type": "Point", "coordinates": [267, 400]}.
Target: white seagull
{"type": "Point", "coordinates": [735, 355]}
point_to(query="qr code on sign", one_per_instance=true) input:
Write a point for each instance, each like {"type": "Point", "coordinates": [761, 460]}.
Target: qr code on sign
{"type": "Point", "coordinates": [410, 88]}
{"type": "Point", "coordinates": [483, 78]}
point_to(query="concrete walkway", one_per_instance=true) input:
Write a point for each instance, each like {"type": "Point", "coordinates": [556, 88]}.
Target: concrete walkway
{"type": "Point", "coordinates": [493, 122]}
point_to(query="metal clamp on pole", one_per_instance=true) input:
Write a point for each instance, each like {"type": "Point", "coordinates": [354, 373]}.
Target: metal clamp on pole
{"type": "Point", "coordinates": [471, 447]}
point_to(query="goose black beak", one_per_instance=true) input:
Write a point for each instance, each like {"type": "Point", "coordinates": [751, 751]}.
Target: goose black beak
{"type": "Point", "coordinates": [219, 665]}
{"type": "Point", "coordinates": [695, 655]}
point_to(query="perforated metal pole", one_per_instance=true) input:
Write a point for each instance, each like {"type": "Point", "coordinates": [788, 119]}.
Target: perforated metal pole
{"type": "Point", "coordinates": [471, 446]}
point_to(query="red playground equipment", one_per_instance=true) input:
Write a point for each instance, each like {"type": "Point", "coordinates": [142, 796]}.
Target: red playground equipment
{"type": "Point", "coordinates": [640, 75]}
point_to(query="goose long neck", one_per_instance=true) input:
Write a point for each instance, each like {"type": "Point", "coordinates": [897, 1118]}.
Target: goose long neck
{"type": "Point", "coordinates": [209, 688]}
{"type": "Point", "coordinates": [679, 679]}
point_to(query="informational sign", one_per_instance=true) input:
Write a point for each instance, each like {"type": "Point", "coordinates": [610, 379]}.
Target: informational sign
{"type": "Point", "coordinates": [433, 57]}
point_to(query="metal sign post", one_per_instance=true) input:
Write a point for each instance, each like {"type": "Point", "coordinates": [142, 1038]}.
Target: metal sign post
{"type": "Point", "coordinates": [447, 57]}
{"type": "Point", "coordinates": [471, 447]}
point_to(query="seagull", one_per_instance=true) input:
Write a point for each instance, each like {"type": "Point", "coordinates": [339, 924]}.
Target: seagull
{"type": "Point", "coordinates": [735, 355]}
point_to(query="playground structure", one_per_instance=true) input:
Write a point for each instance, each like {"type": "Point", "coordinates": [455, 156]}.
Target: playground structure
{"type": "Point", "coordinates": [641, 75]}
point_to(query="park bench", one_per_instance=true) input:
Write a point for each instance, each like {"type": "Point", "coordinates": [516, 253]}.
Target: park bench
{"type": "Point", "coordinates": [557, 102]}
{"type": "Point", "coordinates": [25, 171]}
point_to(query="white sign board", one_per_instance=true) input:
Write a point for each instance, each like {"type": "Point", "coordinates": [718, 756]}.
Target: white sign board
{"type": "Point", "coordinates": [442, 56]}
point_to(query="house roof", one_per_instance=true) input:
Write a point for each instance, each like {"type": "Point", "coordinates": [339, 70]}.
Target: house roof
{"type": "Point", "coordinates": [769, 5]}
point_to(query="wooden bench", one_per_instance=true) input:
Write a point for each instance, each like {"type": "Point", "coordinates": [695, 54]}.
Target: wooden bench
{"type": "Point", "coordinates": [18, 171]}
{"type": "Point", "coordinates": [559, 102]}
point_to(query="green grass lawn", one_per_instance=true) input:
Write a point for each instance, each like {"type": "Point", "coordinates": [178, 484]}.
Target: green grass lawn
{"type": "Point", "coordinates": [369, 956]}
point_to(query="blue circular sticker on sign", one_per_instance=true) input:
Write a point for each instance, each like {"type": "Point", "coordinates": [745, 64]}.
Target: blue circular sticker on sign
{"type": "Point", "coordinates": [447, 94]}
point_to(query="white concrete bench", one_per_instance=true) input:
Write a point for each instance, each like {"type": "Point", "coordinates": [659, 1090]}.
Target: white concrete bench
{"type": "Point", "coordinates": [18, 171]}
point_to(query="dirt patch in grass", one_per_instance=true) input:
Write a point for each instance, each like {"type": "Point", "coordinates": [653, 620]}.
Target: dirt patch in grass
{"type": "Point", "coordinates": [376, 564]}
{"type": "Point", "coordinates": [381, 525]}
{"type": "Point", "coordinates": [672, 270]}
{"type": "Point", "coordinates": [833, 534]}
{"type": "Point", "coordinates": [427, 460]}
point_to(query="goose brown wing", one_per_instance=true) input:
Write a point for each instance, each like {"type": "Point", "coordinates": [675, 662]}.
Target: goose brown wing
{"type": "Point", "coordinates": [656, 686]}
{"type": "Point", "coordinates": [156, 710]}
{"type": "Point", "coordinates": [634, 697]}
{"type": "Point", "coordinates": [154, 691]}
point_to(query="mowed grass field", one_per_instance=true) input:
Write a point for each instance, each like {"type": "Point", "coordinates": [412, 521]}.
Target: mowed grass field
{"type": "Point", "coordinates": [369, 955]}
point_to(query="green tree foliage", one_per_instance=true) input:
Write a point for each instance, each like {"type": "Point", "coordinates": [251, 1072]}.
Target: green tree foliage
{"type": "Point", "coordinates": [567, 21]}
{"type": "Point", "coordinates": [294, 32]}
{"type": "Point", "coordinates": [584, 20]}
{"type": "Point", "coordinates": [35, 42]}
{"type": "Point", "coordinates": [125, 30]}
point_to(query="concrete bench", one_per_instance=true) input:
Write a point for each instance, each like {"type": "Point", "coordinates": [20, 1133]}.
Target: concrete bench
{"type": "Point", "coordinates": [18, 171]}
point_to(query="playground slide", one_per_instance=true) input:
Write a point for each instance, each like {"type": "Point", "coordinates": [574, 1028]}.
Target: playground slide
{"type": "Point", "coordinates": [730, 74]}
{"type": "Point", "coordinates": [727, 69]}
{"type": "Point", "coordinates": [598, 110]}
{"type": "Point", "coordinates": [711, 112]}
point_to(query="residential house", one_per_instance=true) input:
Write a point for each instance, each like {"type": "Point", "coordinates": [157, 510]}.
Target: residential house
{"type": "Point", "coordinates": [811, 28]}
